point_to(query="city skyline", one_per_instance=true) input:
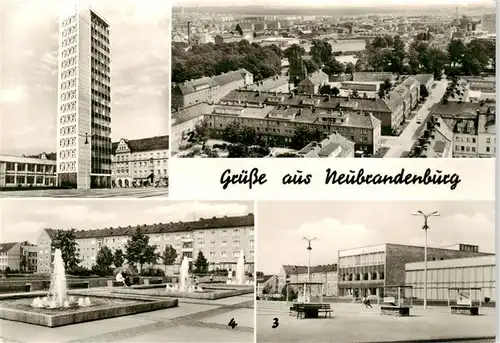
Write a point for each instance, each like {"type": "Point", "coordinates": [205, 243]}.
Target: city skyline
{"type": "Point", "coordinates": [330, 4]}
{"type": "Point", "coordinates": [139, 68]}
{"type": "Point", "coordinates": [87, 215]}
{"type": "Point", "coordinates": [348, 225]}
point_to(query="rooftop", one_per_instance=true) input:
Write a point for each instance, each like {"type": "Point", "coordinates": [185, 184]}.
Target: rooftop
{"type": "Point", "coordinates": [144, 144]}
{"type": "Point", "coordinates": [201, 224]}
{"type": "Point", "coordinates": [5, 247]}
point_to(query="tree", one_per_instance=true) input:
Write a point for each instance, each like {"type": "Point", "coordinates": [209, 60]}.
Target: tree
{"type": "Point", "coordinates": [232, 132]}
{"type": "Point", "coordinates": [321, 51]}
{"type": "Point", "coordinates": [66, 242]}
{"type": "Point", "coordinates": [456, 51]}
{"type": "Point", "coordinates": [118, 258]}
{"type": "Point", "coordinates": [201, 131]}
{"type": "Point", "coordinates": [349, 68]}
{"type": "Point", "coordinates": [169, 256]}
{"type": "Point", "coordinates": [103, 261]}
{"type": "Point", "coordinates": [303, 136]}
{"type": "Point", "coordinates": [138, 251]}
{"type": "Point", "coordinates": [333, 67]}
{"type": "Point", "coordinates": [201, 263]}
{"type": "Point", "coordinates": [294, 52]}
{"type": "Point", "coordinates": [325, 89]}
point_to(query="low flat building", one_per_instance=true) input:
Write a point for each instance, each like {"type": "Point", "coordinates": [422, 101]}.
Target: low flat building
{"type": "Point", "coordinates": [335, 145]}
{"type": "Point", "coordinates": [28, 171]}
{"type": "Point", "coordinates": [361, 86]}
{"type": "Point", "coordinates": [278, 83]}
{"type": "Point", "coordinates": [367, 270]}
{"type": "Point", "coordinates": [443, 275]}
{"type": "Point", "coordinates": [138, 162]}
{"type": "Point", "coordinates": [368, 76]}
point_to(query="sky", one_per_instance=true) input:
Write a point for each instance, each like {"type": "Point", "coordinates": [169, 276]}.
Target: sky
{"type": "Point", "coordinates": [139, 29]}
{"type": "Point", "coordinates": [345, 225]}
{"type": "Point", "coordinates": [325, 3]}
{"type": "Point", "coordinates": [98, 214]}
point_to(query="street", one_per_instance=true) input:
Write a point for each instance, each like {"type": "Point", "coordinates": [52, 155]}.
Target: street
{"type": "Point", "coordinates": [404, 142]}
{"type": "Point", "coordinates": [91, 193]}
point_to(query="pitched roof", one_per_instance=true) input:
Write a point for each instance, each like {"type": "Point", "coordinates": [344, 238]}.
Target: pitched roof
{"type": "Point", "coordinates": [144, 144]}
{"type": "Point", "coordinates": [5, 247]}
{"type": "Point", "coordinates": [315, 78]}
{"type": "Point", "coordinates": [327, 146]}
{"type": "Point", "coordinates": [269, 84]}
{"type": "Point", "coordinates": [453, 108]}
{"type": "Point", "coordinates": [201, 224]}
{"type": "Point", "coordinates": [264, 278]}
{"type": "Point", "coordinates": [193, 86]}
{"type": "Point", "coordinates": [232, 76]}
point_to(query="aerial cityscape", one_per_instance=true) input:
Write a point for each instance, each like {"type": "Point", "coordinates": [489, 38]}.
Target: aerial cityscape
{"type": "Point", "coordinates": [376, 271]}
{"type": "Point", "coordinates": [401, 82]}
{"type": "Point", "coordinates": [141, 271]}
{"type": "Point", "coordinates": [87, 139]}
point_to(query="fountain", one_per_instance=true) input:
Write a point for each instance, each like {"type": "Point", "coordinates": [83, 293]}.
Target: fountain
{"type": "Point", "coordinates": [184, 274]}
{"type": "Point", "coordinates": [240, 269]}
{"type": "Point", "coordinates": [60, 307]}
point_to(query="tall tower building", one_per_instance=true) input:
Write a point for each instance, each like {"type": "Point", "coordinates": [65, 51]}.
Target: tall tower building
{"type": "Point", "coordinates": [84, 99]}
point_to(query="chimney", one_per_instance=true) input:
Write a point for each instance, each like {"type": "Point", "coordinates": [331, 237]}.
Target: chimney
{"type": "Point", "coordinates": [189, 32]}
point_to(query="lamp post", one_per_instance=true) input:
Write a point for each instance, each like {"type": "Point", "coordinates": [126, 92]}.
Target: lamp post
{"type": "Point", "coordinates": [309, 240]}
{"type": "Point", "coordinates": [425, 227]}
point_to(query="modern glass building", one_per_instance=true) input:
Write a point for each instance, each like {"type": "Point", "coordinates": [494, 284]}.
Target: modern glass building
{"type": "Point", "coordinates": [476, 272]}
{"type": "Point", "coordinates": [84, 97]}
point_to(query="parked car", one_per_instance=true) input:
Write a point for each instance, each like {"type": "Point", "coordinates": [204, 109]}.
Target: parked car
{"type": "Point", "coordinates": [419, 120]}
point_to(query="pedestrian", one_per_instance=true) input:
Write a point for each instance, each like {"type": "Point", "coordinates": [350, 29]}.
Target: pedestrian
{"type": "Point", "coordinates": [368, 303]}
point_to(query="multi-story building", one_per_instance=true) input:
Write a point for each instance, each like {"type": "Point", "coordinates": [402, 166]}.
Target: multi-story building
{"type": "Point", "coordinates": [28, 260]}
{"type": "Point", "coordinates": [367, 270]}
{"type": "Point", "coordinates": [313, 82]}
{"type": "Point", "coordinates": [220, 239]}
{"type": "Point", "coordinates": [326, 274]}
{"type": "Point", "coordinates": [208, 89]}
{"type": "Point", "coordinates": [183, 124]}
{"type": "Point", "coordinates": [489, 22]}
{"type": "Point", "coordinates": [10, 256]}
{"type": "Point", "coordinates": [331, 147]}
{"type": "Point", "coordinates": [276, 116]}
{"type": "Point", "coordinates": [84, 98]}
{"type": "Point", "coordinates": [140, 161]}
{"type": "Point", "coordinates": [444, 278]}
{"type": "Point", "coordinates": [23, 171]}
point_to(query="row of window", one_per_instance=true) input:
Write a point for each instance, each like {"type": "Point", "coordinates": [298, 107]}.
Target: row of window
{"type": "Point", "coordinates": [69, 21]}
{"type": "Point", "coordinates": [67, 142]}
{"type": "Point", "coordinates": [67, 130]}
{"type": "Point", "coordinates": [68, 41]}
{"type": "Point", "coordinates": [71, 61]}
{"type": "Point", "coordinates": [69, 95]}
{"type": "Point", "coordinates": [29, 180]}
{"type": "Point", "coordinates": [99, 75]}
{"type": "Point", "coordinates": [68, 107]}
{"type": "Point", "coordinates": [68, 73]}
{"type": "Point", "coordinates": [67, 154]}
{"type": "Point", "coordinates": [69, 51]}
{"type": "Point", "coordinates": [67, 166]}
{"type": "Point", "coordinates": [100, 34]}
{"type": "Point", "coordinates": [125, 172]}
{"type": "Point", "coordinates": [67, 119]}
{"type": "Point", "coordinates": [68, 31]}
{"type": "Point", "coordinates": [127, 158]}
{"type": "Point", "coordinates": [362, 276]}
{"type": "Point", "coordinates": [68, 84]}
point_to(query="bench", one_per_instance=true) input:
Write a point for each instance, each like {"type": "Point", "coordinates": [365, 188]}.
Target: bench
{"type": "Point", "coordinates": [465, 310]}
{"type": "Point", "coordinates": [395, 311]}
{"type": "Point", "coordinates": [114, 283]}
{"type": "Point", "coordinates": [78, 284]}
{"type": "Point", "coordinates": [155, 281]}
{"type": "Point", "coordinates": [327, 309]}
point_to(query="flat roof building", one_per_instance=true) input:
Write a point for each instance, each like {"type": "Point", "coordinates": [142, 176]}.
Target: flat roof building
{"type": "Point", "coordinates": [28, 171]}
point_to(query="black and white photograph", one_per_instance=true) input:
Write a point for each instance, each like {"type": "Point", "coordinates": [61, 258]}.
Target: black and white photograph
{"type": "Point", "coordinates": [376, 271]}
{"type": "Point", "coordinates": [85, 98]}
{"type": "Point", "coordinates": [325, 79]}
{"type": "Point", "coordinates": [126, 271]}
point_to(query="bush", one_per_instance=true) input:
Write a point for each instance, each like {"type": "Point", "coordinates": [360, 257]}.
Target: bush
{"type": "Point", "coordinates": [80, 271]}
{"type": "Point", "coordinates": [152, 272]}
{"type": "Point", "coordinates": [487, 299]}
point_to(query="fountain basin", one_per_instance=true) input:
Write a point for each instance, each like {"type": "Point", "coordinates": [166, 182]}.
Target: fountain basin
{"type": "Point", "coordinates": [17, 307]}
{"type": "Point", "coordinates": [208, 292]}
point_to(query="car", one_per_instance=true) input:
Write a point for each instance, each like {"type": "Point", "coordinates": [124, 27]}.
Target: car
{"type": "Point", "coordinates": [419, 120]}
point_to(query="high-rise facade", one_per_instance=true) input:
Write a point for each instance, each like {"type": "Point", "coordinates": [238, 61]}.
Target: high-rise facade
{"type": "Point", "coordinates": [84, 98]}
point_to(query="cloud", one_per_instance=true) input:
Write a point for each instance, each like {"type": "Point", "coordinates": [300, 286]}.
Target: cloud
{"type": "Point", "coordinates": [49, 61]}
{"type": "Point", "coordinates": [194, 210]}
{"type": "Point", "coordinates": [14, 94]}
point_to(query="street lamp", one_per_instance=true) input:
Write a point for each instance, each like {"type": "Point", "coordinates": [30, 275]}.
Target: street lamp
{"type": "Point", "coordinates": [425, 228]}
{"type": "Point", "coordinates": [309, 249]}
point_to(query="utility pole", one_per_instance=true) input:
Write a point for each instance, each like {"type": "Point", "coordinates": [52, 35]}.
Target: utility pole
{"type": "Point", "coordinates": [309, 240]}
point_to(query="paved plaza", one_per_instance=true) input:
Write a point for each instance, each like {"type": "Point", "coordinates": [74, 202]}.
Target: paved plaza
{"type": "Point", "coordinates": [354, 323]}
{"type": "Point", "coordinates": [193, 321]}
{"type": "Point", "coordinates": [91, 193]}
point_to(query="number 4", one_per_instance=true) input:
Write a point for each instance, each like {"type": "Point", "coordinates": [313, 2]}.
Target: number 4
{"type": "Point", "coordinates": [232, 323]}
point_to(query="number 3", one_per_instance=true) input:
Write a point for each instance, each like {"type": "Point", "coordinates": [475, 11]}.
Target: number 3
{"type": "Point", "coordinates": [276, 323]}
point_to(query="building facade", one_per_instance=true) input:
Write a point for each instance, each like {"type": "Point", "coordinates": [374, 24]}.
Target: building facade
{"type": "Point", "coordinates": [140, 162]}
{"type": "Point", "coordinates": [84, 99]}
{"type": "Point", "coordinates": [33, 171]}
{"type": "Point", "coordinates": [367, 270]}
{"type": "Point", "coordinates": [326, 274]}
{"type": "Point", "coordinates": [267, 284]}
{"type": "Point", "coordinates": [220, 239]}
{"type": "Point", "coordinates": [473, 272]}
{"type": "Point", "coordinates": [10, 256]}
